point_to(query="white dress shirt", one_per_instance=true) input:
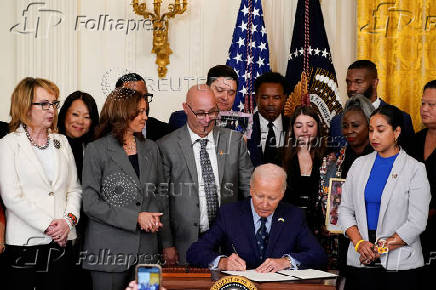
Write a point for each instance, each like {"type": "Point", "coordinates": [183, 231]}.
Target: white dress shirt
{"type": "Point", "coordinates": [377, 103]}
{"type": "Point", "coordinates": [210, 148]}
{"type": "Point", "coordinates": [278, 131]}
{"type": "Point", "coordinates": [46, 157]}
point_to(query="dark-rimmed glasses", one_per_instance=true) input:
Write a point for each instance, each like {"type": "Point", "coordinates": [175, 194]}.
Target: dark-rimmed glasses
{"type": "Point", "coordinates": [46, 105]}
{"type": "Point", "coordinates": [202, 115]}
{"type": "Point", "coordinates": [148, 97]}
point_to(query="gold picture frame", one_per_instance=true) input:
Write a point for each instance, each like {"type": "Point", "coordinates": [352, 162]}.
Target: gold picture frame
{"type": "Point", "coordinates": [333, 202]}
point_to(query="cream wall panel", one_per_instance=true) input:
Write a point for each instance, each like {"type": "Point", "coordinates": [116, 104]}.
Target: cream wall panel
{"type": "Point", "coordinates": [92, 59]}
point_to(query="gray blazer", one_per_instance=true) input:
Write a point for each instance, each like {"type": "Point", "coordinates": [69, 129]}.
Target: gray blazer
{"type": "Point", "coordinates": [113, 196]}
{"type": "Point", "coordinates": [234, 169]}
{"type": "Point", "coordinates": [403, 210]}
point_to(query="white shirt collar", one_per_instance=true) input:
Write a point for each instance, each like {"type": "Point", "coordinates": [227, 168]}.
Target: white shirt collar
{"type": "Point", "coordinates": [195, 137]}
{"type": "Point", "coordinates": [376, 103]}
{"type": "Point", "coordinates": [277, 122]}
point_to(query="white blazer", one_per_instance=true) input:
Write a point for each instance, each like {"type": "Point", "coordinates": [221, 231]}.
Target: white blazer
{"type": "Point", "coordinates": [31, 202]}
{"type": "Point", "coordinates": [403, 209]}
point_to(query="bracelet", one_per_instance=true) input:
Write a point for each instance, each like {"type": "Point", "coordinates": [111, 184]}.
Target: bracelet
{"type": "Point", "coordinates": [72, 218]}
{"type": "Point", "coordinates": [356, 247]}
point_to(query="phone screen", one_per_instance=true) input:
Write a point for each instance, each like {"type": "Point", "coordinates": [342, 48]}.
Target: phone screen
{"type": "Point", "coordinates": [148, 278]}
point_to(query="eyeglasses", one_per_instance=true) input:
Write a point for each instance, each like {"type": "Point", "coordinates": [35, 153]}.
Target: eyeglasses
{"type": "Point", "coordinates": [46, 105]}
{"type": "Point", "coordinates": [148, 97]}
{"type": "Point", "coordinates": [202, 115]}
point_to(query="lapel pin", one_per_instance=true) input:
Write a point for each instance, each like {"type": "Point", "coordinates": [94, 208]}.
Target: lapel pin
{"type": "Point", "coordinates": [394, 175]}
{"type": "Point", "coordinates": [221, 153]}
{"type": "Point", "coordinates": [56, 143]}
{"type": "Point", "coordinates": [281, 220]}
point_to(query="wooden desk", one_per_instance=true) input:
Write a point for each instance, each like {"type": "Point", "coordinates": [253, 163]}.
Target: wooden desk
{"type": "Point", "coordinates": [205, 283]}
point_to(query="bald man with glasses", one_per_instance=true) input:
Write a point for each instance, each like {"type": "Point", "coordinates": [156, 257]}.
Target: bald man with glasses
{"type": "Point", "coordinates": [205, 166]}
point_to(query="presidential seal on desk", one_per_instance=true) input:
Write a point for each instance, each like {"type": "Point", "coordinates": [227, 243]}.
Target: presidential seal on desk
{"type": "Point", "coordinates": [233, 283]}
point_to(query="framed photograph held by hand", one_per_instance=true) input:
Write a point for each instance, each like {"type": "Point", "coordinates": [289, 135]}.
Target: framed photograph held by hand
{"type": "Point", "coordinates": [333, 202]}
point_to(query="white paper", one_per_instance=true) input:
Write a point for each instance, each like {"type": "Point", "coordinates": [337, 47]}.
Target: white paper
{"type": "Point", "coordinates": [308, 274]}
{"type": "Point", "coordinates": [285, 275]}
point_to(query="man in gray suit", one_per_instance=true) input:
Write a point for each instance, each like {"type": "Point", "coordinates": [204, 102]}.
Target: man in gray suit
{"type": "Point", "coordinates": [205, 167]}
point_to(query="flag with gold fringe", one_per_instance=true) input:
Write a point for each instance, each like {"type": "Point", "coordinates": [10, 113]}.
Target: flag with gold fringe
{"type": "Point", "coordinates": [310, 71]}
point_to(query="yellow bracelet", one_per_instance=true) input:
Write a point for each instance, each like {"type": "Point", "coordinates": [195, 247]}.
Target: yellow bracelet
{"type": "Point", "coordinates": [356, 247]}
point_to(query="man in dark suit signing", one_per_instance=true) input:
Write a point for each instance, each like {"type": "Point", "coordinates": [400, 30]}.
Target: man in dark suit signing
{"type": "Point", "coordinates": [260, 233]}
{"type": "Point", "coordinates": [205, 167]}
{"type": "Point", "coordinates": [269, 124]}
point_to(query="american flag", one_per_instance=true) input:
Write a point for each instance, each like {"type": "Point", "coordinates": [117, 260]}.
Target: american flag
{"type": "Point", "coordinates": [310, 53]}
{"type": "Point", "coordinates": [248, 53]}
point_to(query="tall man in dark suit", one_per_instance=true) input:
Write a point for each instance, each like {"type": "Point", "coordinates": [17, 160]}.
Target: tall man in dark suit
{"type": "Point", "coordinates": [269, 124]}
{"type": "Point", "coordinates": [223, 81]}
{"type": "Point", "coordinates": [205, 167]}
{"type": "Point", "coordinates": [261, 232]}
{"type": "Point", "coordinates": [154, 129]}
{"type": "Point", "coordinates": [362, 79]}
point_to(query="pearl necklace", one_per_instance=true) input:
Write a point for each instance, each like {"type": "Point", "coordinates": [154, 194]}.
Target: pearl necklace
{"type": "Point", "coordinates": [130, 147]}
{"type": "Point", "coordinates": [45, 146]}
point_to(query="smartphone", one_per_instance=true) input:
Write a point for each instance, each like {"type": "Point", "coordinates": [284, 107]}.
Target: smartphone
{"type": "Point", "coordinates": [148, 276]}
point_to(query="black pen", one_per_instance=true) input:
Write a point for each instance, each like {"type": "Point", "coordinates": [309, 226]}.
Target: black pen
{"type": "Point", "coordinates": [283, 274]}
{"type": "Point", "coordinates": [234, 249]}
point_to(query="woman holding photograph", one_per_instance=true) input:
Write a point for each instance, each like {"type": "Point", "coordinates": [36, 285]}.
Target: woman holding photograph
{"type": "Point", "coordinates": [355, 128]}
{"type": "Point", "coordinates": [302, 160]}
{"type": "Point", "coordinates": [384, 208]}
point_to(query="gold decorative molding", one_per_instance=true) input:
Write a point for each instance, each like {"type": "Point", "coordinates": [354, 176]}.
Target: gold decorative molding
{"type": "Point", "coordinates": [161, 46]}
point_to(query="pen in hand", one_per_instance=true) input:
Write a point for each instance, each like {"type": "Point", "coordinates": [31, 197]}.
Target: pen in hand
{"type": "Point", "coordinates": [234, 249]}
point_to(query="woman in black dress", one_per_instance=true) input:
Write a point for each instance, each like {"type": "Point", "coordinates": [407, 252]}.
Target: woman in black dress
{"type": "Point", "coordinates": [355, 128]}
{"type": "Point", "coordinates": [302, 159]}
{"type": "Point", "coordinates": [78, 118]}
{"type": "Point", "coordinates": [423, 149]}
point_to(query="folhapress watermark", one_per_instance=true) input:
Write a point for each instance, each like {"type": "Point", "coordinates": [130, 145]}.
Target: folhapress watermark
{"type": "Point", "coordinates": [38, 19]}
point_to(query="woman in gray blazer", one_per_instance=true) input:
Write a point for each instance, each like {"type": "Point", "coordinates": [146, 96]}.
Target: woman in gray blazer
{"type": "Point", "coordinates": [121, 173]}
{"type": "Point", "coordinates": [384, 209]}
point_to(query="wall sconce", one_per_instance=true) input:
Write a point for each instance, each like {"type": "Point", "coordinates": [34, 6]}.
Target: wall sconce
{"type": "Point", "coordinates": [161, 46]}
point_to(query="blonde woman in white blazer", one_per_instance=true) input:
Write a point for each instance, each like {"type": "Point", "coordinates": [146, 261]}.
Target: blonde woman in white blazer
{"type": "Point", "coordinates": [39, 188]}
{"type": "Point", "coordinates": [395, 221]}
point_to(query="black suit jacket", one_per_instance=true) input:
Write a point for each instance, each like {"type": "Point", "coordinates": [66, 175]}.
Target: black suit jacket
{"type": "Point", "coordinates": [254, 146]}
{"type": "Point", "coordinates": [4, 129]}
{"type": "Point", "coordinates": [233, 230]}
{"type": "Point", "coordinates": [156, 129]}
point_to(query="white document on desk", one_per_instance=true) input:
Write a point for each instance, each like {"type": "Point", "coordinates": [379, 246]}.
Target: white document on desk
{"type": "Point", "coordinates": [284, 275]}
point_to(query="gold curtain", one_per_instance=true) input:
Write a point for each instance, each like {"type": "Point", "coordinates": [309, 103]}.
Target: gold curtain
{"type": "Point", "coordinates": [400, 37]}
